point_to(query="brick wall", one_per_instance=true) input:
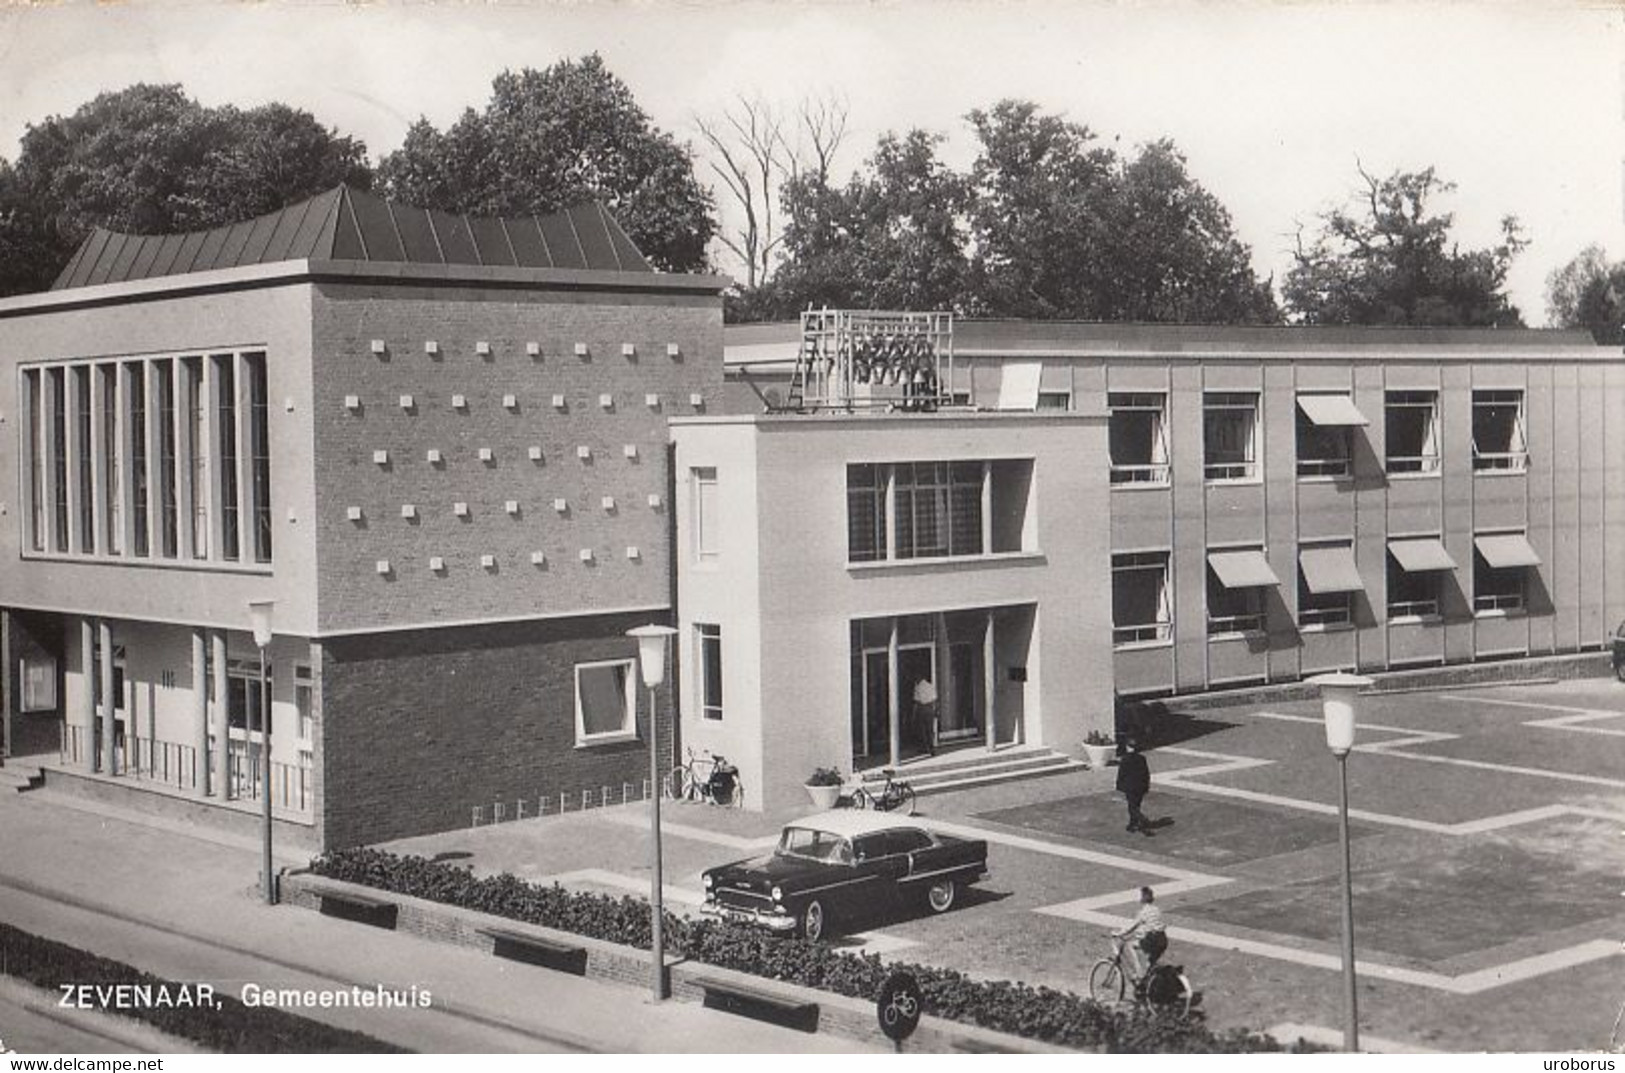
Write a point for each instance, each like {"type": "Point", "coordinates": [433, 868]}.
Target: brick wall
{"type": "Point", "coordinates": [513, 403]}
{"type": "Point", "coordinates": [419, 727]}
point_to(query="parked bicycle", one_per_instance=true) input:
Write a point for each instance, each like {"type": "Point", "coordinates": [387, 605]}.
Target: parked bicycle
{"type": "Point", "coordinates": [1163, 987]}
{"type": "Point", "coordinates": [895, 794]}
{"type": "Point", "coordinates": [707, 777]}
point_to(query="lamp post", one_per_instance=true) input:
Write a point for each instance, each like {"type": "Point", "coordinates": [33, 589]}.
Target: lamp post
{"type": "Point", "coordinates": [259, 613]}
{"type": "Point", "coordinates": [1340, 702]}
{"type": "Point", "coordinates": [652, 666]}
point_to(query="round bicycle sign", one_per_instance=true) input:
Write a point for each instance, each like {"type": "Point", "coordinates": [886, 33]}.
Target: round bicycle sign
{"type": "Point", "coordinates": [899, 1006]}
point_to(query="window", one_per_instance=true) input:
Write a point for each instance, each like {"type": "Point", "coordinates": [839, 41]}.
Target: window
{"type": "Point", "coordinates": [1501, 563]}
{"type": "Point", "coordinates": [938, 509]}
{"type": "Point", "coordinates": [604, 702]}
{"type": "Point", "coordinates": [303, 695]}
{"type": "Point", "coordinates": [243, 696]}
{"type": "Point", "coordinates": [85, 521]}
{"type": "Point", "coordinates": [259, 447]}
{"type": "Point", "coordinates": [225, 413]}
{"type": "Point", "coordinates": [1138, 438]}
{"type": "Point", "coordinates": [865, 513]}
{"type": "Point", "coordinates": [1140, 600]}
{"type": "Point", "coordinates": [37, 674]}
{"type": "Point", "coordinates": [1416, 571]}
{"type": "Point", "coordinates": [163, 391]}
{"type": "Point", "coordinates": [33, 454]}
{"type": "Point", "coordinates": [1327, 581]}
{"type": "Point", "coordinates": [1230, 435]}
{"type": "Point", "coordinates": [1412, 431]}
{"type": "Point", "coordinates": [932, 510]}
{"type": "Point", "coordinates": [1236, 582]}
{"type": "Point", "coordinates": [706, 523]}
{"type": "Point", "coordinates": [710, 661]}
{"type": "Point", "coordinates": [1498, 434]}
{"type": "Point", "coordinates": [1054, 400]}
{"type": "Point", "coordinates": [135, 388]}
{"type": "Point", "coordinates": [1325, 434]}
{"type": "Point", "coordinates": [113, 451]}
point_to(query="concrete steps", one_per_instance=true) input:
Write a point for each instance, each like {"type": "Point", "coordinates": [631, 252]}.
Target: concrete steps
{"type": "Point", "coordinates": [20, 777]}
{"type": "Point", "coordinates": [980, 769]}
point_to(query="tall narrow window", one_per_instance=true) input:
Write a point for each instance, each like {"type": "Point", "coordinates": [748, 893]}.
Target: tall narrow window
{"type": "Point", "coordinates": [1230, 435]}
{"type": "Point", "coordinates": [710, 659]}
{"type": "Point", "coordinates": [164, 407]}
{"type": "Point", "coordinates": [1138, 442]}
{"type": "Point", "coordinates": [195, 400]}
{"type": "Point", "coordinates": [34, 458]}
{"type": "Point", "coordinates": [135, 382]}
{"type": "Point", "coordinates": [1412, 431]}
{"type": "Point", "coordinates": [706, 523]}
{"type": "Point", "coordinates": [83, 463]}
{"type": "Point", "coordinates": [225, 393]}
{"type": "Point", "coordinates": [112, 458]}
{"type": "Point", "coordinates": [865, 513]}
{"type": "Point", "coordinates": [259, 445]}
{"type": "Point", "coordinates": [59, 455]}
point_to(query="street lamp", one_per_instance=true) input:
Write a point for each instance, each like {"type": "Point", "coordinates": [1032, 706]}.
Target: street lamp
{"type": "Point", "coordinates": [1340, 702]}
{"type": "Point", "coordinates": [259, 613]}
{"type": "Point", "coordinates": [652, 666]}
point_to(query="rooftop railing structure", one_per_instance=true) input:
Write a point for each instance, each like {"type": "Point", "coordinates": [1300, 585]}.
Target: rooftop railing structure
{"type": "Point", "coordinates": [853, 360]}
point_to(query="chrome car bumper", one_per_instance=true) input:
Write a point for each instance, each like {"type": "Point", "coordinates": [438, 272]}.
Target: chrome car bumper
{"type": "Point", "coordinates": [779, 921]}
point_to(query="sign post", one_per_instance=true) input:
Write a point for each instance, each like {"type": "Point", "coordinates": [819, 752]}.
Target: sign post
{"type": "Point", "coordinates": [898, 1007]}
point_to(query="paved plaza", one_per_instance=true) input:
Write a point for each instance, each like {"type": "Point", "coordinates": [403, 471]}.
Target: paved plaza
{"type": "Point", "coordinates": [1488, 844]}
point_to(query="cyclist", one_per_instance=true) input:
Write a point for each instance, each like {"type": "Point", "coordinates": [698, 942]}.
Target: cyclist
{"type": "Point", "coordinates": [1152, 932]}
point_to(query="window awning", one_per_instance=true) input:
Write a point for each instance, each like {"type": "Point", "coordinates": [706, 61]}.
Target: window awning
{"type": "Point", "coordinates": [1018, 385]}
{"type": "Point", "coordinates": [1331, 411]}
{"type": "Point", "coordinates": [1504, 550]}
{"type": "Point", "coordinates": [1242, 569]}
{"type": "Point", "coordinates": [1420, 554]}
{"type": "Point", "coordinates": [1329, 570]}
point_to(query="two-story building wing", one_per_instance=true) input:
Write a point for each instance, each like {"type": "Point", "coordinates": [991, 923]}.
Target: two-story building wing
{"type": "Point", "coordinates": [1286, 501]}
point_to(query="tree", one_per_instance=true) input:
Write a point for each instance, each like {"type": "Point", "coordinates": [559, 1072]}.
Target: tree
{"type": "Point", "coordinates": [548, 139]}
{"type": "Point", "coordinates": [1391, 260]}
{"type": "Point", "coordinates": [754, 150]}
{"type": "Point", "coordinates": [892, 238]}
{"type": "Point", "coordinates": [1064, 227]}
{"type": "Point", "coordinates": [1589, 293]}
{"type": "Point", "coordinates": [149, 160]}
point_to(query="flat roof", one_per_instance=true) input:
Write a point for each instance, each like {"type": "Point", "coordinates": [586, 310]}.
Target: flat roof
{"type": "Point", "coordinates": [776, 343]}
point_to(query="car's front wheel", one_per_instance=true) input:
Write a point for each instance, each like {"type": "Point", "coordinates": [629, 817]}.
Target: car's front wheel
{"type": "Point", "coordinates": [813, 921]}
{"type": "Point", "coordinates": [940, 895]}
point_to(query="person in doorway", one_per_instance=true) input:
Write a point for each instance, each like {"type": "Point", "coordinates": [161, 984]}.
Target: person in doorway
{"type": "Point", "coordinates": [1134, 782]}
{"type": "Point", "coordinates": [1150, 935]}
{"type": "Point", "coordinates": [925, 714]}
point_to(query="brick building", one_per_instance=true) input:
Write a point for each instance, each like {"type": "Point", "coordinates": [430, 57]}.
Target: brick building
{"type": "Point", "coordinates": [438, 443]}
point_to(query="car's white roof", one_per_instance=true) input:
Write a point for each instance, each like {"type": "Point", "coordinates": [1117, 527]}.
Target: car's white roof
{"type": "Point", "coordinates": [848, 822]}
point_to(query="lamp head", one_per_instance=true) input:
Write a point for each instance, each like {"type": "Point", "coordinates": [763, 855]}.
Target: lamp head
{"type": "Point", "coordinates": [1340, 704]}
{"type": "Point", "coordinates": [259, 616]}
{"type": "Point", "coordinates": [651, 652]}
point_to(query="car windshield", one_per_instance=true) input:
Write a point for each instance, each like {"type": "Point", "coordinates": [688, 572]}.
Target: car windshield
{"type": "Point", "coordinates": [814, 845]}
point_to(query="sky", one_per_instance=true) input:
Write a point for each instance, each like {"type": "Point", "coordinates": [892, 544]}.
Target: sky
{"type": "Point", "coordinates": [1520, 103]}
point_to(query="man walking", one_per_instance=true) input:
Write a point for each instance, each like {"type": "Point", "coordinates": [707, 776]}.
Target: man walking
{"type": "Point", "coordinates": [925, 714]}
{"type": "Point", "coordinates": [1134, 782]}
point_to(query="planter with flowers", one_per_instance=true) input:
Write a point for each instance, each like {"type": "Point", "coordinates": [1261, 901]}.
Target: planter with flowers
{"type": "Point", "coordinates": [824, 786]}
{"type": "Point", "coordinates": [1098, 747]}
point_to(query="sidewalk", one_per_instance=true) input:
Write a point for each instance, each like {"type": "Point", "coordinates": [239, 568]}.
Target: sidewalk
{"type": "Point", "coordinates": [186, 908]}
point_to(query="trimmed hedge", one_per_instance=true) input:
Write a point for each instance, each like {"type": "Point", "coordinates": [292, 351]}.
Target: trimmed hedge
{"type": "Point", "coordinates": [1039, 1013]}
{"type": "Point", "coordinates": [233, 1028]}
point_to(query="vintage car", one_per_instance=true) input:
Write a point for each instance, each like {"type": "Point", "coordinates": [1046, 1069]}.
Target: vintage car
{"type": "Point", "coordinates": [838, 866]}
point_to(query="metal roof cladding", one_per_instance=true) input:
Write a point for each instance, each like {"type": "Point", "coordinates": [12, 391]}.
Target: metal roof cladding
{"type": "Point", "coordinates": [344, 224]}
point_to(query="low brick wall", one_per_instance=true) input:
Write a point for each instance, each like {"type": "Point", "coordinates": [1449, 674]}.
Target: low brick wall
{"type": "Point", "coordinates": [149, 799]}
{"type": "Point", "coordinates": [838, 1015]}
{"type": "Point", "coordinates": [1418, 679]}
